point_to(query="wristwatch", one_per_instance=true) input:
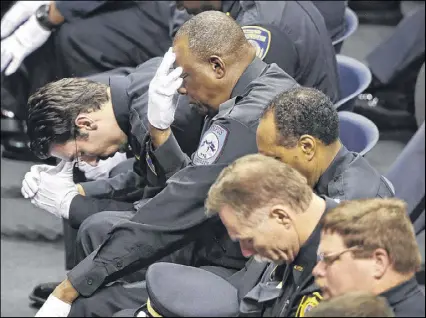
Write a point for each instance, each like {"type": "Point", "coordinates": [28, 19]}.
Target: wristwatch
{"type": "Point", "coordinates": [42, 16]}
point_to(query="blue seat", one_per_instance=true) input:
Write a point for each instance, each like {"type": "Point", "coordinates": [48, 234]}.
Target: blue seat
{"type": "Point", "coordinates": [357, 133]}
{"type": "Point", "coordinates": [354, 78]}
{"type": "Point", "coordinates": [351, 25]}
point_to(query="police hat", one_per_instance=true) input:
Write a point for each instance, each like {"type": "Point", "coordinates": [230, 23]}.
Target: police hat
{"type": "Point", "coordinates": [182, 291]}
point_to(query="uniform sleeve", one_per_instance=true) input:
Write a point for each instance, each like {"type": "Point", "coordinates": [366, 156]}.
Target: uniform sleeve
{"type": "Point", "coordinates": [113, 187]}
{"type": "Point", "coordinates": [174, 154]}
{"type": "Point", "coordinates": [170, 157]}
{"type": "Point", "coordinates": [273, 46]}
{"type": "Point", "coordinates": [71, 10]}
{"type": "Point", "coordinates": [171, 219]}
{"type": "Point", "coordinates": [82, 207]}
{"type": "Point", "coordinates": [114, 194]}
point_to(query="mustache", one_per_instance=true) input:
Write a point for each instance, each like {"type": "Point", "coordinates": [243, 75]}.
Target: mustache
{"type": "Point", "coordinates": [202, 109]}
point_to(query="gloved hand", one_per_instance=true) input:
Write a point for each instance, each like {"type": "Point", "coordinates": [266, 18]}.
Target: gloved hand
{"type": "Point", "coordinates": [161, 109]}
{"type": "Point", "coordinates": [101, 171]}
{"type": "Point", "coordinates": [55, 192]}
{"type": "Point", "coordinates": [17, 14]}
{"type": "Point", "coordinates": [25, 40]}
{"type": "Point", "coordinates": [32, 178]}
{"type": "Point", "coordinates": [54, 307]}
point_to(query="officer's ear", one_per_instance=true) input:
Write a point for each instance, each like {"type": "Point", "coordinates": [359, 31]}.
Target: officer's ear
{"type": "Point", "coordinates": [281, 215]}
{"type": "Point", "coordinates": [381, 262]}
{"type": "Point", "coordinates": [218, 66]}
{"type": "Point", "coordinates": [308, 146]}
{"type": "Point", "coordinates": [83, 122]}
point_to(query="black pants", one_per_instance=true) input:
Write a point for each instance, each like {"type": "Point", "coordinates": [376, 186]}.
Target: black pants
{"type": "Point", "coordinates": [119, 35]}
{"type": "Point", "coordinates": [397, 61]}
{"type": "Point", "coordinates": [129, 292]}
{"type": "Point", "coordinates": [70, 233]}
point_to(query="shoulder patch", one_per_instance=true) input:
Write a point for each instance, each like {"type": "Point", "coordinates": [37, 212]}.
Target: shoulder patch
{"type": "Point", "coordinates": [211, 145]}
{"type": "Point", "coordinates": [260, 38]}
{"type": "Point", "coordinates": [307, 304]}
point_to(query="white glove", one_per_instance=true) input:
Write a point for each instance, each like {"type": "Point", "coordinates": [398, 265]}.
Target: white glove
{"type": "Point", "coordinates": [25, 40]}
{"type": "Point", "coordinates": [55, 192]}
{"type": "Point", "coordinates": [54, 307]}
{"type": "Point", "coordinates": [101, 171]}
{"type": "Point", "coordinates": [17, 14]}
{"type": "Point", "coordinates": [164, 85]}
{"type": "Point", "coordinates": [32, 178]}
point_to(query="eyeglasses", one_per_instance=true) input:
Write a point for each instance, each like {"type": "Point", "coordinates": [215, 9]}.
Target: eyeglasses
{"type": "Point", "coordinates": [75, 157]}
{"type": "Point", "coordinates": [329, 259]}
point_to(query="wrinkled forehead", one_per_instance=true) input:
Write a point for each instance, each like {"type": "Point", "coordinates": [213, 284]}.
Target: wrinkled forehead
{"type": "Point", "coordinates": [184, 57]}
{"type": "Point", "coordinates": [331, 242]}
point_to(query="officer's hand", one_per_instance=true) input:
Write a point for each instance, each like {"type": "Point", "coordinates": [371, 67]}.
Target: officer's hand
{"type": "Point", "coordinates": [55, 192]}
{"type": "Point", "coordinates": [17, 14]}
{"type": "Point", "coordinates": [54, 307]}
{"type": "Point", "coordinates": [25, 40]}
{"type": "Point", "coordinates": [32, 178]}
{"type": "Point", "coordinates": [161, 109]}
{"type": "Point", "coordinates": [102, 170]}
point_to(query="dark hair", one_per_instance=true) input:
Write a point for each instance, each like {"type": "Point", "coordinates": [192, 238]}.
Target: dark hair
{"type": "Point", "coordinates": [52, 111]}
{"type": "Point", "coordinates": [213, 33]}
{"type": "Point", "coordinates": [304, 111]}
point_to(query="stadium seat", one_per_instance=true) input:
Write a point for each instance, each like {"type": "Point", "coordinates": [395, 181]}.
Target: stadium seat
{"type": "Point", "coordinates": [357, 133]}
{"type": "Point", "coordinates": [351, 25]}
{"type": "Point", "coordinates": [354, 78]}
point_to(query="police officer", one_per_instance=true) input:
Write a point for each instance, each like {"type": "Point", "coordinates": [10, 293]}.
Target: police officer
{"type": "Point", "coordinates": [123, 191]}
{"type": "Point", "coordinates": [382, 260]}
{"type": "Point", "coordinates": [222, 76]}
{"type": "Point", "coordinates": [74, 38]}
{"type": "Point", "coordinates": [129, 104]}
{"type": "Point", "coordinates": [277, 223]}
{"type": "Point", "coordinates": [301, 128]}
{"type": "Point", "coordinates": [290, 33]}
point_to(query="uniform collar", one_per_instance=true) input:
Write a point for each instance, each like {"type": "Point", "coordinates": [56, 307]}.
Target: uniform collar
{"type": "Point", "coordinates": [253, 71]}
{"type": "Point", "coordinates": [270, 285]}
{"type": "Point", "coordinates": [336, 168]}
{"type": "Point", "coordinates": [400, 292]}
{"type": "Point", "coordinates": [307, 257]}
{"type": "Point", "coordinates": [120, 101]}
{"type": "Point", "coordinates": [308, 252]}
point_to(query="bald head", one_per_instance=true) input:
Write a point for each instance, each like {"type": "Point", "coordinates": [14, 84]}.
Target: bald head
{"type": "Point", "coordinates": [214, 33]}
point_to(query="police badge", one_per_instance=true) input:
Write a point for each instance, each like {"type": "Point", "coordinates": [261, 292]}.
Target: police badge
{"type": "Point", "coordinates": [260, 38]}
